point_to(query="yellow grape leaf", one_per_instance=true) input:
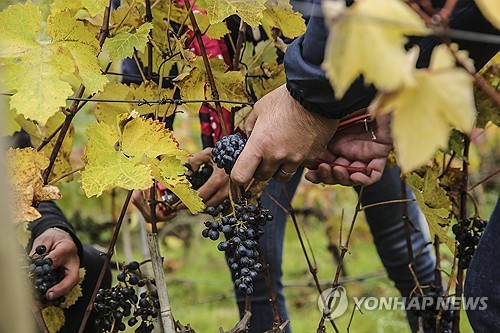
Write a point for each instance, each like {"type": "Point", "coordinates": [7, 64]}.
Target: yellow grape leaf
{"type": "Point", "coordinates": [170, 172]}
{"type": "Point", "coordinates": [54, 318]}
{"type": "Point", "coordinates": [123, 44]}
{"type": "Point", "coordinates": [369, 36]}
{"type": "Point", "coordinates": [230, 85]}
{"type": "Point", "coordinates": [433, 202]}
{"type": "Point", "coordinates": [76, 292]}
{"type": "Point", "coordinates": [116, 156]}
{"type": "Point", "coordinates": [63, 5]}
{"type": "Point", "coordinates": [37, 69]}
{"type": "Point", "coordinates": [95, 7]}
{"type": "Point", "coordinates": [214, 31]}
{"type": "Point", "coordinates": [148, 138]}
{"type": "Point", "coordinates": [23, 234]}
{"type": "Point", "coordinates": [25, 167]}
{"type": "Point", "coordinates": [249, 11]}
{"type": "Point", "coordinates": [38, 133]}
{"type": "Point", "coordinates": [192, 85]}
{"type": "Point", "coordinates": [424, 113]}
{"type": "Point", "coordinates": [125, 16]}
{"type": "Point", "coordinates": [106, 166]}
{"type": "Point", "coordinates": [107, 112]}
{"type": "Point", "coordinates": [12, 125]}
{"type": "Point", "coordinates": [83, 45]}
{"type": "Point", "coordinates": [168, 10]}
{"type": "Point", "coordinates": [490, 10]}
{"type": "Point", "coordinates": [279, 14]}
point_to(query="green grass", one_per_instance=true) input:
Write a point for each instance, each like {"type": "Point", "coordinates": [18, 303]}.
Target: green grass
{"type": "Point", "coordinates": [200, 287]}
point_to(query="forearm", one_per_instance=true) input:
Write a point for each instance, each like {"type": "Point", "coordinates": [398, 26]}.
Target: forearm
{"type": "Point", "coordinates": [307, 82]}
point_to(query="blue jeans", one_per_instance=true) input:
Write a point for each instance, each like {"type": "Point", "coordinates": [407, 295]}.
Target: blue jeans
{"type": "Point", "coordinates": [388, 232]}
{"type": "Point", "coordinates": [483, 276]}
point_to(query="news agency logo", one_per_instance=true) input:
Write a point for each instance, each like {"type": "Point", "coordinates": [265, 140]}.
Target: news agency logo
{"type": "Point", "coordinates": [333, 303]}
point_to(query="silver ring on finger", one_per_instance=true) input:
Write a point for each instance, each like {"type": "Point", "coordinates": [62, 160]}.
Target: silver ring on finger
{"type": "Point", "coordinates": [288, 174]}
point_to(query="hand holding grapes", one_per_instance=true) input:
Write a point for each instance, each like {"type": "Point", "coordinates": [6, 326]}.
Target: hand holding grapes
{"type": "Point", "coordinates": [282, 136]}
{"type": "Point", "coordinates": [216, 188]}
{"type": "Point", "coordinates": [64, 254]}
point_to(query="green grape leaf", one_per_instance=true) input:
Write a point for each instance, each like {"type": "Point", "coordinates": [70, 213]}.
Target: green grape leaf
{"type": "Point", "coordinates": [76, 292]}
{"type": "Point", "coordinates": [419, 131]}
{"type": "Point", "coordinates": [279, 14]}
{"type": "Point", "coordinates": [214, 31]}
{"type": "Point", "coordinates": [249, 11]}
{"type": "Point", "coordinates": [117, 156]}
{"type": "Point", "coordinates": [433, 202]}
{"type": "Point", "coordinates": [107, 111]}
{"type": "Point", "coordinates": [275, 77]}
{"type": "Point", "coordinates": [262, 53]}
{"type": "Point", "coordinates": [123, 44]}
{"type": "Point", "coordinates": [23, 234]}
{"type": "Point", "coordinates": [38, 69]}
{"type": "Point", "coordinates": [54, 318]}
{"type": "Point", "coordinates": [95, 7]}
{"type": "Point", "coordinates": [38, 133]}
{"type": "Point", "coordinates": [170, 172]}
{"type": "Point", "coordinates": [352, 32]}
{"type": "Point", "coordinates": [25, 167]}
{"type": "Point", "coordinates": [58, 6]}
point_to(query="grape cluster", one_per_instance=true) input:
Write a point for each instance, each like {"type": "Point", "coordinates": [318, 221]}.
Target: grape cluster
{"type": "Point", "coordinates": [199, 177]}
{"type": "Point", "coordinates": [468, 232]}
{"type": "Point", "coordinates": [430, 305]}
{"type": "Point", "coordinates": [227, 150]}
{"type": "Point", "coordinates": [242, 229]}
{"type": "Point", "coordinates": [113, 306]}
{"type": "Point", "coordinates": [44, 276]}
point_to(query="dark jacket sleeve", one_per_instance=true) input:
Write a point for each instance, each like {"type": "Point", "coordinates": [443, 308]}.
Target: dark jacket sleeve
{"type": "Point", "coordinates": [52, 216]}
{"type": "Point", "coordinates": [307, 82]}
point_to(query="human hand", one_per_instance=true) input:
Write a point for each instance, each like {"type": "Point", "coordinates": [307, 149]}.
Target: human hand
{"type": "Point", "coordinates": [63, 251]}
{"type": "Point", "coordinates": [141, 200]}
{"type": "Point", "coordinates": [216, 188]}
{"type": "Point", "coordinates": [282, 136]}
{"type": "Point", "coordinates": [353, 149]}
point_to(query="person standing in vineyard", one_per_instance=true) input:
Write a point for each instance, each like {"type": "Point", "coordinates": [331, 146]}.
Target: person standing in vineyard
{"type": "Point", "coordinates": [53, 231]}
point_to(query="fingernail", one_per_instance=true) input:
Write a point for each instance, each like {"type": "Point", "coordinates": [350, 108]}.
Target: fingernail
{"type": "Point", "coordinates": [50, 295]}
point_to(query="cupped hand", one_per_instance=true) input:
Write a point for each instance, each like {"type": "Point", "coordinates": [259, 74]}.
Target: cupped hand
{"type": "Point", "coordinates": [63, 251]}
{"type": "Point", "coordinates": [282, 136]}
{"type": "Point", "coordinates": [141, 200]}
{"type": "Point", "coordinates": [216, 188]}
{"type": "Point", "coordinates": [353, 149]}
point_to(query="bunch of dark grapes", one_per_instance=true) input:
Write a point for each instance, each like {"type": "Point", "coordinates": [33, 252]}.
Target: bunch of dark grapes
{"type": "Point", "coordinates": [199, 177]}
{"type": "Point", "coordinates": [468, 232]}
{"type": "Point", "coordinates": [242, 228]}
{"type": "Point", "coordinates": [431, 305]}
{"type": "Point", "coordinates": [227, 150]}
{"type": "Point", "coordinates": [122, 303]}
{"type": "Point", "coordinates": [44, 276]}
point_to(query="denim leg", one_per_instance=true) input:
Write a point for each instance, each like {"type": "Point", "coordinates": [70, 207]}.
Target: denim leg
{"type": "Point", "coordinates": [271, 244]}
{"type": "Point", "coordinates": [483, 276]}
{"type": "Point", "coordinates": [388, 232]}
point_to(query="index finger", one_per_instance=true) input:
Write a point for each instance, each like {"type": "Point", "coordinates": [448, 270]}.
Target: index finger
{"type": "Point", "coordinates": [246, 164]}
